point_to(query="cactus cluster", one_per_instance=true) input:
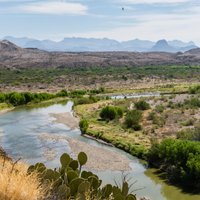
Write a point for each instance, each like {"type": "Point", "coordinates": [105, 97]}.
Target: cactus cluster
{"type": "Point", "coordinates": [70, 182]}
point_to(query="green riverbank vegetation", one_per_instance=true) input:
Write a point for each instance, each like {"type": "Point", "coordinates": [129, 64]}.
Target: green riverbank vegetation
{"type": "Point", "coordinates": [163, 130]}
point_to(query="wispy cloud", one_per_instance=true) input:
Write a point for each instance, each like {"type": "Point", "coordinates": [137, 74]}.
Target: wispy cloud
{"type": "Point", "coordinates": [54, 7]}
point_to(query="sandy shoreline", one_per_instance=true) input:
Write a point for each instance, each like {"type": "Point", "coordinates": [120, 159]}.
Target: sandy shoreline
{"type": "Point", "coordinates": [5, 110]}
{"type": "Point", "coordinates": [66, 118]}
{"type": "Point", "coordinates": [98, 158]}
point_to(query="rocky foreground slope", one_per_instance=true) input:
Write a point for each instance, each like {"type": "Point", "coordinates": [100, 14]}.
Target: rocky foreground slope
{"type": "Point", "coordinates": [12, 56]}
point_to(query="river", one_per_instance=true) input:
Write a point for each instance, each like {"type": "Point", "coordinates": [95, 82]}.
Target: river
{"type": "Point", "coordinates": [20, 132]}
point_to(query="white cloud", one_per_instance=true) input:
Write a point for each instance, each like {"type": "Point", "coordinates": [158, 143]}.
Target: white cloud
{"type": "Point", "coordinates": [154, 1]}
{"type": "Point", "coordinates": [154, 27]}
{"type": "Point", "coordinates": [53, 7]}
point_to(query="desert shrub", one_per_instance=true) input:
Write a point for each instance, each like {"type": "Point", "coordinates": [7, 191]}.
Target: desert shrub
{"type": "Point", "coordinates": [111, 112]}
{"type": "Point", "coordinates": [97, 91]}
{"type": "Point", "coordinates": [159, 108]}
{"type": "Point", "coordinates": [151, 115]}
{"type": "Point", "coordinates": [156, 119]}
{"type": "Point", "coordinates": [193, 102]}
{"type": "Point", "coordinates": [142, 105]}
{"type": "Point", "coordinates": [86, 100]}
{"type": "Point", "coordinates": [189, 134]}
{"type": "Point", "coordinates": [194, 90]}
{"type": "Point", "coordinates": [188, 122]}
{"type": "Point", "coordinates": [77, 93]}
{"type": "Point", "coordinates": [83, 124]}
{"type": "Point", "coordinates": [133, 119]}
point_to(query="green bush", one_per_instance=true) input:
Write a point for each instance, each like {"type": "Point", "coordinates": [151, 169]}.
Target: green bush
{"type": "Point", "coordinates": [111, 112]}
{"type": "Point", "coordinates": [159, 108]}
{"type": "Point", "coordinates": [86, 100]}
{"type": "Point", "coordinates": [180, 159]}
{"type": "Point", "coordinates": [189, 134]}
{"type": "Point", "coordinates": [142, 105]}
{"type": "Point", "coordinates": [188, 122]}
{"type": "Point", "coordinates": [77, 93]}
{"type": "Point", "coordinates": [83, 124]}
{"type": "Point", "coordinates": [194, 90]}
{"type": "Point", "coordinates": [17, 99]}
{"type": "Point", "coordinates": [2, 98]}
{"type": "Point", "coordinates": [62, 93]}
{"type": "Point", "coordinates": [133, 119]}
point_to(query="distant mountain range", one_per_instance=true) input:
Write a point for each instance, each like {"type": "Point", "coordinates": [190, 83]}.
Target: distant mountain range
{"type": "Point", "coordinates": [99, 45]}
{"type": "Point", "coordinates": [14, 57]}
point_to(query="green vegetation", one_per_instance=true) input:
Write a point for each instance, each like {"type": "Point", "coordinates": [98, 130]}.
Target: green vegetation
{"type": "Point", "coordinates": [142, 105]}
{"type": "Point", "coordinates": [189, 134]}
{"type": "Point", "coordinates": [111, 112]}
{"type": "Point", "coordinates": [133, 119]}
{"type": "Point", "coordinates": [83, 124]}
{"type": "Point", "coordinates": [180, 159]}
{"type": "Point", "coordinates": [70, 182]}
{"type": "Point", "coordinates": [87, 76]}
{"type": "Point", "coordinates": [17, 99]}
{"type": "Point", "coordinates": [195, 89]}
{"type": "Point", "coordinates": [86, 100]}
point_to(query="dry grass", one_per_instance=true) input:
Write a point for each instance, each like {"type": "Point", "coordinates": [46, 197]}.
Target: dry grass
{"type": "Point", "coordinates": [16, 184]}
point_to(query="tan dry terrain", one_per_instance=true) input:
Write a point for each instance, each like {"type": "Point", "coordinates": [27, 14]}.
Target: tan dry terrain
{"type": "Point", "coordinates": [12, 56]}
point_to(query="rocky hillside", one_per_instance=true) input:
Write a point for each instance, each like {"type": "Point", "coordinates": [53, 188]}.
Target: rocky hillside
{"type": "Point", "coordinates": [12, 56]}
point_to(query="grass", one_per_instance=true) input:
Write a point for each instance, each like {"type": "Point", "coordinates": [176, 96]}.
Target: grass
{"type": "Point", "coordinates": [16, 184]}
{"type": "Point", "coordinates": [112, 131]}
{"type": "Point", "coordinates": [4, 106]}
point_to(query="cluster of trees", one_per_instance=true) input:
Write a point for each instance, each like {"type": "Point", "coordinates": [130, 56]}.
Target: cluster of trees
{"type": "Point", "coordinates": [132, 118]}
{"type": "Point", "coordinates": [17, 99]}
{"type": "Point", "coordinates": [180, 159]}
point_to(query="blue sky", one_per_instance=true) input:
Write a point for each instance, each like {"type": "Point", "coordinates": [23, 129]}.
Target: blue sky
{"type": "Point", "coordinates": [143, 19]}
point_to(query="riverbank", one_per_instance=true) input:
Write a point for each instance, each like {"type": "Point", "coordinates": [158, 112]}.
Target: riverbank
{"type": "Point", "coordinates": [4, 107]}
{"type": "Point", "coordinates": [99, 159]}
{"type": "Point", "coordinates": [112, 132]}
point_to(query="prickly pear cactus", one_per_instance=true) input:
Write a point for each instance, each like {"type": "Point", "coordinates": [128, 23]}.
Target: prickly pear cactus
{"type": "Point", "coordinates": [65, 160]}
{"type": "Point", "coordinates": [82, 158]}
{"type": "Point", "coordinates": [70, 182]}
